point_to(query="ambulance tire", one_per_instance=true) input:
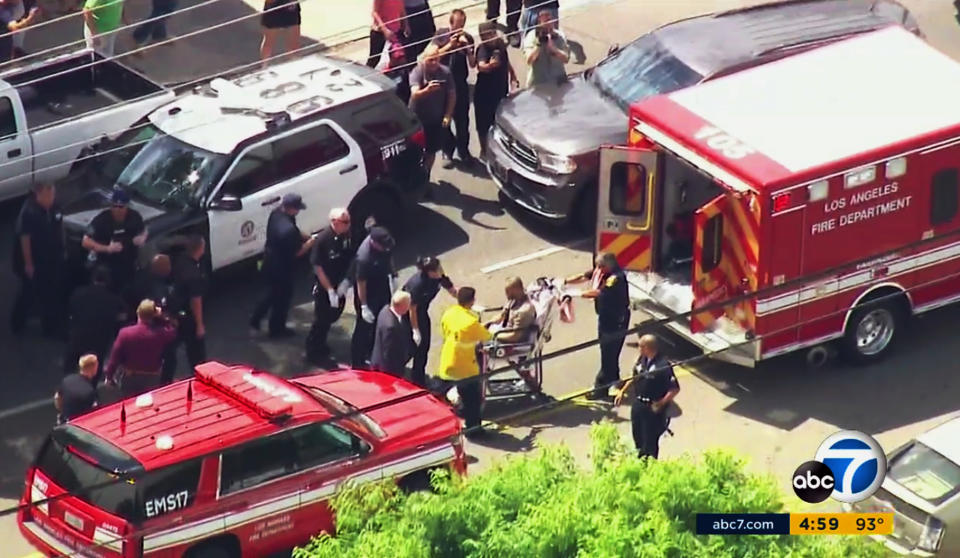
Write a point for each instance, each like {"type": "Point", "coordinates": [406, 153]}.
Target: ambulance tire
{"type": "Point", "coordinates": [872, 331]}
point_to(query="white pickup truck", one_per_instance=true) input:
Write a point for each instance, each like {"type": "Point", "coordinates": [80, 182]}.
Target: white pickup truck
{"type": "Point", "coordinates": [53, 110]}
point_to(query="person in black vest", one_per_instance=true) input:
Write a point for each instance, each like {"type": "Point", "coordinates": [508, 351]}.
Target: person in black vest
{"type": "Point", "coordinates": [457, 52]}
{"type": "Point", "coordinates": [331, 258]}
{"type": "Point", "coordinates": [38, 261]}
{"type": "Point", "coordinates": [285, 243]}
{"type": "Point", "coordinates": [114, 238]}
{"type": "Point", "coordinates": [423, 287]}
{"type": "Point", "coordinates": [391, 342]}
{"type": "Point", "coordinates": [495, 75]}
{"type": "Point", "coordinates": [190, 286]}
{"type": "Point", "coordinates": [609, 291]}
{"type": "Point", "coordinates": [655, 386]}
{"type": "Point", "coordinates": [96, 314]}
{"type": "Point", "coordinates": [372, 288]}
{"type": "Point", "coordinates": [422, 28]}
{"type": "Point", "coordinates": [154, 282]}
{"type": "Point", "coordinates": [77, 393]}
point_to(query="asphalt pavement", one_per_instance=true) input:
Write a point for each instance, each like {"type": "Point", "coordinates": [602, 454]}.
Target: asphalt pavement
{"type": "Point", "coordinates": [776, 415]}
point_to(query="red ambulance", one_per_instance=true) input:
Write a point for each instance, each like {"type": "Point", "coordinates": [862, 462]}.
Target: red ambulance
{"type": "Point", "coordinates": [807, 201]}
{"type": "Point", "coordinates": [232, 462]}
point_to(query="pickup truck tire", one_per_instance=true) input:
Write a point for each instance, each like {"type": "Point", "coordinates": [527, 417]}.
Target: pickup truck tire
{"type": "Point", "coordinates": [873, 330]}
{"type": "Point", "coordinates": [381, 204]}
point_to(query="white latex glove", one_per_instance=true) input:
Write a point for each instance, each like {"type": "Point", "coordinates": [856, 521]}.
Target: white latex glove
{"type": "Point", "coordinates": [367, 314]}
{"type": "Point", "coordinates": [343, 287]}
{"type": "Point", "coordinates": [417, 338]}
{"type": "Point", "coordinates": [334, 298]}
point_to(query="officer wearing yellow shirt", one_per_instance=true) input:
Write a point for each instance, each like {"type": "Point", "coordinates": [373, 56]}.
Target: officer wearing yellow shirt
{"type": "Point", "coordinates": [462, 332]}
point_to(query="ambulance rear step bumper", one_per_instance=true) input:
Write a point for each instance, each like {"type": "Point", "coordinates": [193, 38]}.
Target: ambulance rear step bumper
{"type": "Point", "coordinates": [717, 344]}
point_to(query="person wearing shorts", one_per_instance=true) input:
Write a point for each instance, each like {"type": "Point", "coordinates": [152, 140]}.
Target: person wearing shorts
{"type": "Point", "coordinates": [280, 17]}
{"type": "Point", "coordinates": [432, 98]}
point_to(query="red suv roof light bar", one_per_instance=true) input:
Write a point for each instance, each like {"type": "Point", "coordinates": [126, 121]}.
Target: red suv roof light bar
{"type": "Point", "coordinates": [262, 393]}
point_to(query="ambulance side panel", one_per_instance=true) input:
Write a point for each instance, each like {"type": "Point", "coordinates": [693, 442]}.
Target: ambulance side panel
{"type": "Point", "coordinates": [937, 277]}
{"type": "Point", "coordinates": [780, 248]}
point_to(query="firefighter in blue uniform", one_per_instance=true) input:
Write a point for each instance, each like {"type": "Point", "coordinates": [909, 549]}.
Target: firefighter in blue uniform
{"type": "Point", "coordinates": [608, 289]}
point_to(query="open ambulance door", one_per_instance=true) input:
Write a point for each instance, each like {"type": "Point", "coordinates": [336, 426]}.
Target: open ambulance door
{"type": "Point", "coordinates": [724, 254]}
{"type": "Point", "coordinates": [626, 207]}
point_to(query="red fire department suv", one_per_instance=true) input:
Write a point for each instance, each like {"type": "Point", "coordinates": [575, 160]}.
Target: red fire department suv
{"type": "Point", "coordinates": [232, 462]}
{"type": "Point", "coordinates": [812, 200]}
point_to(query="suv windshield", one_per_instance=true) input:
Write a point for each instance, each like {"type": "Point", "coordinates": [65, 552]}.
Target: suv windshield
{"type": "Point", "coordinates": [338, 407]}
{"type": "Point", "coordinates": [165, 170]}
{"type": "Point", "coordinates": [642, 69]}
{"type": "Point", "coordinates": [926, 473]}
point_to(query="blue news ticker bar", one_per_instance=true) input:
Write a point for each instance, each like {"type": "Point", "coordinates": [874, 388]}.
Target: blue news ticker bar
{"type": "Point", "coordinates": [743, 523]}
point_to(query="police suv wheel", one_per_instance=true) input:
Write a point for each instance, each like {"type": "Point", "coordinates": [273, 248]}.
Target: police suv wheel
{"type": "Point", "coordinates": [872, 332]}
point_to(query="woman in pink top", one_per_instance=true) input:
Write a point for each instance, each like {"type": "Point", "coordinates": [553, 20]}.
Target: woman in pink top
{"type": "Point", "coordinates": [389, 24]}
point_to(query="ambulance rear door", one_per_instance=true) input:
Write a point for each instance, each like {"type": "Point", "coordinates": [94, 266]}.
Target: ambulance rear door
{"type": "Point", "coordinates": [626, 208]}
{"type": "Point", "coordinates": [725, 260]}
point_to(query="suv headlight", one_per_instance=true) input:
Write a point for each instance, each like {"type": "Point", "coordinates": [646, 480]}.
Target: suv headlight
{"type": "Point", "coordinates": [558, 164]}
{"type": "Point", "coordinates": [931, 536]}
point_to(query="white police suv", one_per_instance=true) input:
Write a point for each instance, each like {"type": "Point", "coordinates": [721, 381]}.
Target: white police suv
{"type": "Point", "coordinates": [218, 159]}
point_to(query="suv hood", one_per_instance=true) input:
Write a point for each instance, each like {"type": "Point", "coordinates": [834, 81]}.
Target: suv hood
{"type": "Point", "coordinates": [567, 119]}
{"type": "Point", "coordinates": [78, 212]}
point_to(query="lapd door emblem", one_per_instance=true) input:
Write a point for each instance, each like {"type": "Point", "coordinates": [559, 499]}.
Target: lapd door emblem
{"type": "Point", "coordinates": [246, 232]}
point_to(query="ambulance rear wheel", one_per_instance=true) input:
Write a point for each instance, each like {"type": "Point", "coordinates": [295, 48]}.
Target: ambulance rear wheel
{"type": "Point", "coordinates": [872, 331]}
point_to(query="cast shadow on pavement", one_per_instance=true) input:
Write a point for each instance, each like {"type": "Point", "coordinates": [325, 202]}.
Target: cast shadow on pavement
{"type": "Point", "coordinates": [447, 194]}
{"type": "Point", "coordinates": [506, 441]}
{"type": "Point", "coordinates": [915, 383]}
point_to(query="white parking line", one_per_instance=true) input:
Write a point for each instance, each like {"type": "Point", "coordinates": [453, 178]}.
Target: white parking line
{"type": "Point", "coordinates": [26, 407]}
{"type": "Point", "coordinates": [532, 256]}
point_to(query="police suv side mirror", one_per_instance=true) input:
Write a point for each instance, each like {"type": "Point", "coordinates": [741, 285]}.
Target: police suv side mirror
{"type": "Point", "coordinates": [227, 203]}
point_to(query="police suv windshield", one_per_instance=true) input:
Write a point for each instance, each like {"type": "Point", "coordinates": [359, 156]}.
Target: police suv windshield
{"type": "Point", "coordinates": [164, 170]}
{"type": "Point", "coordinates": [642, 69]}
{"type": "Point", "coordinates": [926, 473]}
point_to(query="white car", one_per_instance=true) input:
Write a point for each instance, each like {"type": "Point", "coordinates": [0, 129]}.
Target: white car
{"type": "Point", "coordinates": [921, 489]}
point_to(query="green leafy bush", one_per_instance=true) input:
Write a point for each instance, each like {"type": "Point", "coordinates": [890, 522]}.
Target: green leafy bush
{"type": "Point", "coordinates": [545, 506]}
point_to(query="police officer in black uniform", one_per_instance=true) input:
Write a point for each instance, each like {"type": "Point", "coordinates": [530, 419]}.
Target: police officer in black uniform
{"type": "Point", "coordinates": [96, 314]}
{"type": "Point", "coordinates": [155, 282]}
{"type": "Point", "coordinates": [330, 257]}
{"type": "Point", "coordinates": [608, 288]}
{"type": "Point", "coordinates": [114, 238]}
{"type": "Point", "coordinates": [655, 387]}
{"type": "Point", "coordinates": [77, 393]}
{"type": "Point", "coordinates": [285, 243]}
{"type": "Point", "coordinates": [38, 261]}
{"type": "Point", "coordinates": [423, 287]}
{"type": "Point", "coordinates": [372, 287]}
{"type": "Point", "coordinates": [190, 286]}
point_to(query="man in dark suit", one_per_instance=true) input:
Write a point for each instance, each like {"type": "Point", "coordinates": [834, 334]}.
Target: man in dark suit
{"type": "Point", "coordinates": [391, 343]}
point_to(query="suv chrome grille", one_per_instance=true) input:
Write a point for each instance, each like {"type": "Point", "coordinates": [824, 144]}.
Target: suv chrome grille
{"type": "Point", "coordinates": [522, 153]}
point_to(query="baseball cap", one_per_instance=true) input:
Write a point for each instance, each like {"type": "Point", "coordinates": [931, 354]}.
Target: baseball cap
{"type": "Point", "coordinates": [382, 237]}
{"type": "Point", "coordinates": [119, 197]}
{"type": "Point", "coordinates": [293, 200]}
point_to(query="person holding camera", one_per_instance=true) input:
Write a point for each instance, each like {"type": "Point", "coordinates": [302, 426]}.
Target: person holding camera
{"type": "Point", "coordinates": [457, 51]}
{"type": "Point", "coordinates": [136, 360]}
{"type": "Point", "coordinates": [545, 51]}
{"type": "Point", "coordinates": [432, 98]}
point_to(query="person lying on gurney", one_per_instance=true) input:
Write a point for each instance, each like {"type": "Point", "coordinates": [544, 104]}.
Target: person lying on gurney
{"type": "Point", "coordinates": [517, 321]}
